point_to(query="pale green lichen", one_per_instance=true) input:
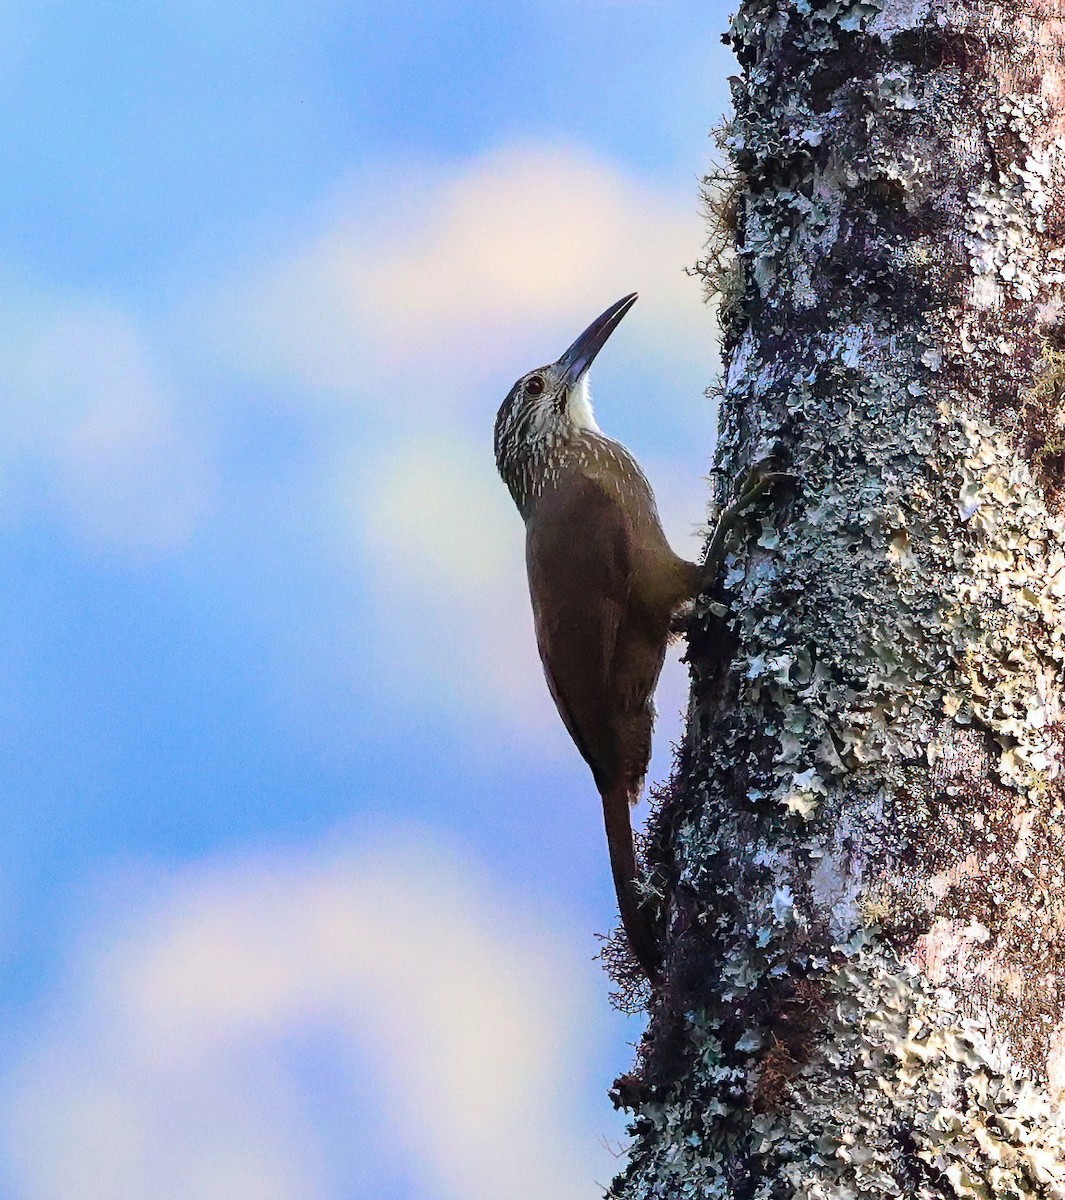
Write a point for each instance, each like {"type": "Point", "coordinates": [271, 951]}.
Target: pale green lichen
{"type": "Point", "coordinates": [1006, 214]}
{"type": "Point", "coordinates": [909, 1096]}
{"type": "Point", "coordinates": [931, 1082]}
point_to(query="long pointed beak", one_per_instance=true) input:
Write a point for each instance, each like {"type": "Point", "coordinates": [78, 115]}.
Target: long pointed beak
{"type": "Point", "coordinates": [578, 358]}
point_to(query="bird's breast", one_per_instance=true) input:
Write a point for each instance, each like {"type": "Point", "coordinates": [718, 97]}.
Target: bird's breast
{"type": "Point", "coordinates": [660, 581]}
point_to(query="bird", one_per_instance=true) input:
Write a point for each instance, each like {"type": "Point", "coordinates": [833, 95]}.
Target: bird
{"type": "Point", "coordinates": [606, 589]}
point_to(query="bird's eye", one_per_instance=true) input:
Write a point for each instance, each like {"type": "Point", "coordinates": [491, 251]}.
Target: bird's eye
{"type": "Point", "coordinates": [534, 386]}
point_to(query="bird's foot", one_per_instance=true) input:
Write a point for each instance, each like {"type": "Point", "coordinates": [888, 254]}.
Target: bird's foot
{"type": "Point", "coordinates": [756, 482]}
{"type": "Point", "coordinates": [681, 621]}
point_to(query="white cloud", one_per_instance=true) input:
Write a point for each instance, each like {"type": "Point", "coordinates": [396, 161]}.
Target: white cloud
{"type": "Point", "coordinates": [457, 1024]}
{"type": "Point", "coordinates": [424, 282]}
{"type": "Point", "coordinates": [396, 326]}
{"type": "Point", "coordinates": [439, 542]}
{"type": "Point", "coordinates": [434, 509]}
{"type": "Point", "coordinates": [88, 432]}
{"type": "Point", "coordinates": [441, 549]}
{"type": "Point", "coordinates": [424, 291]}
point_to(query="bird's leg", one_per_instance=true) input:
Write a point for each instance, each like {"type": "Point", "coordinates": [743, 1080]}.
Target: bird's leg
{"type": "Point", "coordinates": [755, 482]}
{"type": "Point", "coordinates": [680, 621]}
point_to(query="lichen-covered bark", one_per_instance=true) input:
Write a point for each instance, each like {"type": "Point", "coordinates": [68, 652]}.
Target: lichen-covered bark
{"type": "Point", "coordinates": [862, 852]}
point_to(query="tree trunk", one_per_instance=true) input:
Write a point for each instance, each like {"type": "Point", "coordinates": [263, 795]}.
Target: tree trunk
{"type": "Point", "coordinates": [863, 847]}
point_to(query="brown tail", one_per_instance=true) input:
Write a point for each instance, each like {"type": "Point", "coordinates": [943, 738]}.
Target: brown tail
{"type": "Point", "coordinates": [638, 923]}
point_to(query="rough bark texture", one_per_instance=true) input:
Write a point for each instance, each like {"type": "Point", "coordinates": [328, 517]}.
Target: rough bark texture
{"type": "Point", "coordinates": [862, 851]}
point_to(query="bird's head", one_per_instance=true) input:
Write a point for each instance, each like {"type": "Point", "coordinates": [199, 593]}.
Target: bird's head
{"type": "Point", "coordinates": [551, 405]}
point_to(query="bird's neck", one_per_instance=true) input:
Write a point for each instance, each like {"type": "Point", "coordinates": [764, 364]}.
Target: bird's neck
{"type": "Point", "coordinates": [544, 460]}
{"type": "Point", "coordinates": [579, 408]}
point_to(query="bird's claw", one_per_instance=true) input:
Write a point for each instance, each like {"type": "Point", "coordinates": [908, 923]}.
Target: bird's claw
{"type": "Point", "coordinates": [681, 621]}
{"type": "Point", "coordinates": [756, 481]}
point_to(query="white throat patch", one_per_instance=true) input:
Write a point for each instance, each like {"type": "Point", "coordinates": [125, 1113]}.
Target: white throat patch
{"type": "Point", "coordinates": [579, 407]}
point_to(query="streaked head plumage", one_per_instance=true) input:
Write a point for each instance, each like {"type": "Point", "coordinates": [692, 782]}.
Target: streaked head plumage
{"type": "Point", "coordinates": [549, 407]}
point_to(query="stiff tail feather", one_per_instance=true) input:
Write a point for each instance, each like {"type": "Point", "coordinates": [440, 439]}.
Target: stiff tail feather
{"type": "Point", "coordinates": [636, 919]}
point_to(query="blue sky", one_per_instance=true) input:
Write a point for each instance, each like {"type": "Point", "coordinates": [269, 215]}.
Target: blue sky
{"type": "Point", "coordinates": [299, 873]}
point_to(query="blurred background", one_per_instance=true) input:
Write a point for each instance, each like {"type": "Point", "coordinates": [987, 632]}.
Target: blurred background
{"type": "Point", "coordinates": [300, 875]}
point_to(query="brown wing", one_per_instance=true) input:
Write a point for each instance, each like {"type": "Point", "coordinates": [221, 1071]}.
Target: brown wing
{"type": "Point", "coordinates": [601, 660]}
{"type": "Point", "coordinates": [579, 558]}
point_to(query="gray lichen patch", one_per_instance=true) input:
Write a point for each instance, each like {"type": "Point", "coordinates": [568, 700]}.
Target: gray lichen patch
{"type": "Point", "coordinates": [907, 1097]}
{"type": "Point", "coordinates": [938, 1099]}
